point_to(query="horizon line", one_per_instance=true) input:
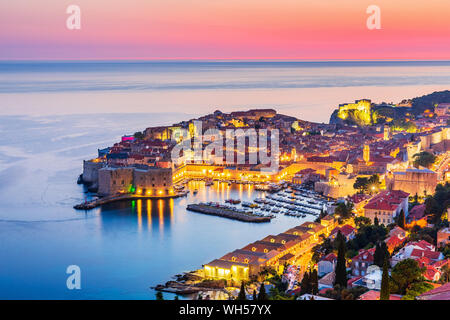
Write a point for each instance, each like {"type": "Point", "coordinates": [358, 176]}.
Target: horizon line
{"type": "Point", "coordinates": [261, 59]}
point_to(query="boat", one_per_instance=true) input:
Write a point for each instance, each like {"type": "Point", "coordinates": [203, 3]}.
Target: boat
{"type": "Point", "coordinates": [209, 183]}
{"type": "Point", "coordinates": [195, 191]}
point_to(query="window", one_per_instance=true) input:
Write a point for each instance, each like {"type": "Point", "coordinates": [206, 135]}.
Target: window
{"type": "Point", "coordinates": [233, 259]}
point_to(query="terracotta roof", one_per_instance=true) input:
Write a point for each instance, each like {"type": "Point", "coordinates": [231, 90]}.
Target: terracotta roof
{"type": "Point", "coordinates": [375, 295]}
{"type": "Point", "coordinates": [387, 200]}
{"type": "Point", "coordinates": [365, 255]}
{"type": "Point", "coordinates": [440, 293]}
{"type": "Point", "coordinates": [417, 212]}
{"type": "Point", "coordinates": [433, 255]}
{"type": "Point", "coordinates": [329, 257]}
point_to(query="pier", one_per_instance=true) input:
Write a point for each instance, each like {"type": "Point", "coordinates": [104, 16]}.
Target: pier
{"type": "Point", "coordinates": [88, 205]}
{"type": "Point", "coordinates": [227, 213]}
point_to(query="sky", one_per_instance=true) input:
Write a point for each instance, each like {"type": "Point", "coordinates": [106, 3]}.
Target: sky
{"type": "Point", "coordinates": [225, 29]}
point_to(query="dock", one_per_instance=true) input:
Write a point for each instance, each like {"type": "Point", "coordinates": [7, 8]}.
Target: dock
{"type": "Point", "coordinates": [88, 205]}
{"type": "Point", "coordinates": [227, 213]}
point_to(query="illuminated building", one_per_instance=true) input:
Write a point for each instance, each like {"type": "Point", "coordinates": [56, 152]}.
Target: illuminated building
{"type": "Point", "coordinates": [366, 153]}
{"type": "Point", "coordinates": [270, 252]}
{"type": "Point", "coordinates": [360, 111]}
{"type": "Point", "coordinates": [149, 181]}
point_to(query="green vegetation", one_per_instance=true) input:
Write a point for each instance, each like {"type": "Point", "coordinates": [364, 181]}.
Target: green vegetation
{"type": "Point", "coordinates": [367, 185]}
{"type": "Point", "coordinates": [242, 295]}
{"type": "Point", "coordinates": [403, 125]}
{"type": "Point", "coordinates": [344, 210]}
{"type": "Point", "coordinates": [341, 269]}
{"type": "Point", "coordinates": [367, 236]}
{"type": "Point", "coordinates": [401, 219]}
{"type": "Point", "coordinates": [384, 293]}
{"type": "Point", "coordinates": [420, 104]}
{"type": "Point", "coordinates": [139, 135]}
{"type": "Point", "coordinates": [416, 289]}
{"type": "Point", "coordinates": [338, 293]}
{"type": "Point", "coordinates": [262, 292]}
{"type": "Point", "coordinates": [381, 254]}
{"type": "Point", "coordinates": [437, 205]}
{"type": "Point", "coordinates": [405, 273]}
{"type": "Point", "coordinates": [159, 296]}
{"type": "Point", "coordinates": [424, 159]}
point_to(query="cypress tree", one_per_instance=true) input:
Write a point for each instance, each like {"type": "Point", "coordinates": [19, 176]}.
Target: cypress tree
{"type": "Point", "coordinates": [401, 219]}
{"type": "Point", "coordinates": [304, 284]}
{"type": "Point", "coordinates": [385, 251]}
{"type": "Point", "coordinates": [254, 295]}
{"type": "Point", "coordinates": [384, 293]}
{"type": "Point", "coordinates": [262, 292]}
{"type": "Point", "coordinates": [341, 270]}
{"type": "Point", "coordinates": [378, 256]}
{"type": "Point", "coordinates": [314, 282]}
{"type": "Point", "coordinates": [376, 221]}
{"type": "Point", "coordinates": [242, 295]}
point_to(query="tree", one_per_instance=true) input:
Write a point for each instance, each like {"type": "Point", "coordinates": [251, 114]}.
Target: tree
{"type": "Point", "coordinates": [262, 292]}
{"type": "Point", "coordinates": [384, 294]}
{"type": "Point", "coordinates": [362, 221]}
{"type": "Point", "coordinates": [341, 269]}
{"type": "Point", "coordinates": [254, 295]}
{"type": "Point", "coordinates": [304, 285]}
{"type": "Point", "coordinates": [361, 184]}
{"type": "Point", "coordinates": [159, 296]}
{"type": "Point", "coordinates": [242, 295]}
{"type": "Point", "coordinates": [401, 219]}
{"type": "Point", "coordinates": [176, 298]}
{"type": "Point", "coordinates": [424, 159]}
{"type": "Point", "coordinates": [376, 221]}
{"type": "Point", "coordinates": [139, 135]}
{"type": "Point", "coordinates": [404, 274]}
{"type": "Point", "coordinates": [378, 257]}
{"type": "Point", "coordinates": [445, 274]}
{"type": "Point", "coordinates": [314, 280]}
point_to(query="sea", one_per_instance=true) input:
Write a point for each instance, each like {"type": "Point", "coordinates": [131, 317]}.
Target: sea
{"type": "Point", "coordinates": [54, 114]}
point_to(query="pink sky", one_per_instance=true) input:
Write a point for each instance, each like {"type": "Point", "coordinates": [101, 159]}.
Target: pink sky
{"type": "Point", "coordinates": [225, 29]}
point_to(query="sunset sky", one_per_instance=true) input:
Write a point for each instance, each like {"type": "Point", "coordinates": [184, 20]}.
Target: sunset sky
{"type": "Point", "coordinates": [224, 29]}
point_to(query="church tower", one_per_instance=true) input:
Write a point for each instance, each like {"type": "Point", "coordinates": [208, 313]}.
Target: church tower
{"type": "Point", "coordinates": [366, 153]}
{"type": "Point", "coordinates": [386, 133]}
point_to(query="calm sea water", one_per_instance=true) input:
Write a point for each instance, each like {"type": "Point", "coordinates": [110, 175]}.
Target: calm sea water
{"type": "Point", "coordinates": [54, 115]}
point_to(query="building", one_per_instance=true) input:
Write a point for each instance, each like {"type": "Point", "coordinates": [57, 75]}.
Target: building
{"type": "Point", "coordinates": [414, 181]}
{"type": "Point", "coordinates": [347, 231]}
{"type": "Point", "coordinates": [443, 237]}
{"type": "Point", "coordinates": [439, 293]}
{"type": "Point", "coordinates": [327, 264]}
{"type": "Point", "coordinates": [375, 295]}
{"type": "Point", "coordinates": [271, 252]}
{"type": "Point", "coordinates": [416, 250]}
{"type": "Point", "coordinates": [372, 279]}
{"type": "Point", "coordinates": [362, 261]}
{"type": "Point", "coordinates": [386, 206]}
{"type": "Point", "coordinates": [143, 180]}
{"type": "Point", "coordinates": [442, 109]}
